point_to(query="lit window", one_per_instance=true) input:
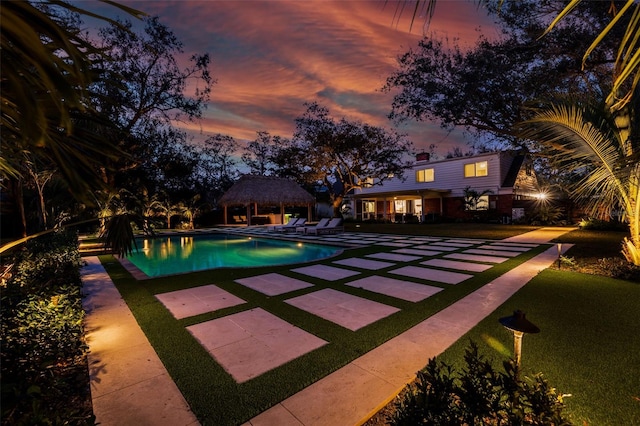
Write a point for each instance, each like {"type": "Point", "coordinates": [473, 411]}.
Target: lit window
{"type": "Point", "coordinates": [480, 168]}
{"type": "Point", "coordinates": [425, 175]}
{"type": "Point", "coordinates": [367, 182]}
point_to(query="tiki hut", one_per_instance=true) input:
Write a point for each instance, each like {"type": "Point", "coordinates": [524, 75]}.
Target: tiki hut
{"type": "Point", "coordinates": [253, 191]}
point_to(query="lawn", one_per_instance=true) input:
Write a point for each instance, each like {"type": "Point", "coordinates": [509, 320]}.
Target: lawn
{"type": "Point", "coordinates": [588, 346]}
{"type": "Point", "coordinates": [202, 380]}
{"type": "Point", "coordinates": [453, 230]}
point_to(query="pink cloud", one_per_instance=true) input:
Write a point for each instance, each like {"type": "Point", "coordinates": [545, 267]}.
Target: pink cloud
{"type": "Point", "coordinates": [269, 57]}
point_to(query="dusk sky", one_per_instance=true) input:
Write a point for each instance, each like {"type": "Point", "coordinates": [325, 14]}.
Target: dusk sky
{"type": "Point", "coordinates": [269, 57]}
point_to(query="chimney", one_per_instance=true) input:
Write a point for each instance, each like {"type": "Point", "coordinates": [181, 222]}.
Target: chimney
{"type": "Point", "coordinates": [423, 156]}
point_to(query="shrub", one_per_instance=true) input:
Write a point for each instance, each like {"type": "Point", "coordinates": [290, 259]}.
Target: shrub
{"type": "Point", "coordinates": [602, 225]}
{"type": "Point", "coordinates": [619, 268]}
{"type": "Point", "coordinates": [479, 395]}
{"type": "Point", "coordinates": [43, 354]}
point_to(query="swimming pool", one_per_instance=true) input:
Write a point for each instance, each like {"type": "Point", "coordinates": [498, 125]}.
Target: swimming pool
{"type": "Point", "coordinates": [182, 254]}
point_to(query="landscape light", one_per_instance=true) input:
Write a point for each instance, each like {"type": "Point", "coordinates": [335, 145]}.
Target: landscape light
{"type": "Point", "coordinates": [559, 254]}
{"type": "Point", "coordinates": [519, 325]}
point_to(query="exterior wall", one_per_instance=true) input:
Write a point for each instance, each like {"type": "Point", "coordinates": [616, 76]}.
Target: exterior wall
{"type": "Point", "coordinates": [449, 174]}
{"type": "Point", "coordinates": [444, 196]}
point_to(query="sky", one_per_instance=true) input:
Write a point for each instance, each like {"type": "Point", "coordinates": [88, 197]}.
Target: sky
{"type": "Point", "coordinates": [270, 57]}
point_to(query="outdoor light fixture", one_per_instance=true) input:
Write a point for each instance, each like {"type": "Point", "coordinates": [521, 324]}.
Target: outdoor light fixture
{"type": "Point", "coordinates": [559, 254]}
{"type": "Point", "coordinates": [519, 325]}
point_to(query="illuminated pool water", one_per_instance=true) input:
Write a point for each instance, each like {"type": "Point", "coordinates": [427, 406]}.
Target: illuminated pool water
{"type": "Point", "coordinates": [181, 254]}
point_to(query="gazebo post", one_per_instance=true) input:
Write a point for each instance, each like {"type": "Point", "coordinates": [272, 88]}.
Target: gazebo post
{"type": "Point", "coordinates": [224, 215]}
{"type": "Point", "coordinates": [309, 218]}
{"type": "Point", "coordinates": [282, 213]}
{"type": "Point", "coordinates": [248, 214]}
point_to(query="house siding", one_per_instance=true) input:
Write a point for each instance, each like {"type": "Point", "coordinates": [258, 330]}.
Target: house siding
{"type": "Point", "coordinates": [444, 195]}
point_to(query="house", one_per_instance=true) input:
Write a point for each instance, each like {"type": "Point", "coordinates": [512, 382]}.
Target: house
{"type": "Point", "coordinates": [491, 186]}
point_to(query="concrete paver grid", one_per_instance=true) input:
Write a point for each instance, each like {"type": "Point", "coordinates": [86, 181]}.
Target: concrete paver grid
{"type": "Point", "coordinates": [354, 393]}
{"type": "Point", "coordinates": [375, 377]}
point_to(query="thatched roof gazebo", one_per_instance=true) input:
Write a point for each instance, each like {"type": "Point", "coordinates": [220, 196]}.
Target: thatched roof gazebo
{"type": "Point", "coordinates": [266, 190]}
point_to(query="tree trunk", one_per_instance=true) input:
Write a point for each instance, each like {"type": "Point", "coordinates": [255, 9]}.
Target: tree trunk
{"type": "Point", "coordinates": [336, 204]}
{"type": "Point", "coordinates": [16, 189]}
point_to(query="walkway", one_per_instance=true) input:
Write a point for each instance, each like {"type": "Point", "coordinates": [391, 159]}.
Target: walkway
{"type": "Point", "coordinates": [131, 387]}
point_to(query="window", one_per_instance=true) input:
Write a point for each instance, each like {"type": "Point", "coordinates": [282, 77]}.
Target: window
{"type": "Point", "coordinates": [425, 175]}
{"type": "Point", "coordinates": [368, 207]}
{"type": "Point", "coordinates": [480, 203]}
{"type": "Point", "coordinates": [480, 168]}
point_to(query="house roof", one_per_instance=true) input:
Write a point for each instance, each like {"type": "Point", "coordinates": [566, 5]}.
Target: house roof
{"type": "Point", "coordinates": [266, 190]}
{"type": "Point", "coordinates": [512, 174]}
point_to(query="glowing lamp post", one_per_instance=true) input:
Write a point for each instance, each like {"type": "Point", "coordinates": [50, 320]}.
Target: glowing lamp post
{"type": "Point", "coordinates": [519, 325]}
{"type": "Point", "coordinates": [559, 254]}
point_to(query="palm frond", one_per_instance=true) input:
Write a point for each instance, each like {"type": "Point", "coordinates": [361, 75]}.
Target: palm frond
{"type": "Point", "coordinates": [118, 235]}
{"type": "Point", "coordinates": [577, 142]}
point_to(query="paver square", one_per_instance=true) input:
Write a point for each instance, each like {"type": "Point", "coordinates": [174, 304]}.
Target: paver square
{"type": "Point", "coordinates": [431, 274]}
{"type": "Point", "coordinates": [418, 252]}
{"type": "Point", "coordinates": [504, 247]}
{"type": "Point", "coordinates": [477, 257]}
{"type": "Point", "coordinates": [273, 284]}
{"type": "Point", "coordinates": [198, 300]}
{"type": "Point", "coordinates": [455, 244]}
{"type": "Point", "coordinates": [458, 240]}
{"type": "Point", "coordinates": [344, 309]}
{"type": "Point", "coordinates": [364, 263]}
{"type": "Point", "coordinates": [252, 342]}
{"type": "Point", "coordinates": [325, 272]}
{"type": "Point", "coordinates": [503, 253]}
{"type": "Point", "coordinates": [436, 246]}
{"type": "Point", "coordinates": [394, 256]}
{"type": "Point", "coordinates": [413, 292]}
{"type": "Point", "coordinates": [454, 264]}
{"type": "Point", "coordinates": [393, 244]}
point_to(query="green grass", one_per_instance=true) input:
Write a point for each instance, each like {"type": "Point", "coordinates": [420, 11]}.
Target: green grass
{"type": "Point", "coordinates": [588, 345]}
{"type": "Point", "coordinates": [594, 244]}
{"type": "Point", "coordinates": [215, 397]}
{"type": "Point", "coordinates": [453, 230]}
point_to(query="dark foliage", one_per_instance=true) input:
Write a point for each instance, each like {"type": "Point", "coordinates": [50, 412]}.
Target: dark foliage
{"type": "Point", "coordinates": [479, 395]}
{"type": "Point", "coordinates": [43, 355]}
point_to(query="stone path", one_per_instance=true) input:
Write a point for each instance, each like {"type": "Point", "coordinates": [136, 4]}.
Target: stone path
{"type": "Point", "coordinates": [248, 343]}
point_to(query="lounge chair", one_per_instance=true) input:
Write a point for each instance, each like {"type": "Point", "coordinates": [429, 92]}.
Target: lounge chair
{"type": "Point", "coordinates": [321, 224]}
{"type": "Point", "coordinates": [334, 225]}
{"type": "Point", "coordinates": [293, 226]}
{"type": "Point", "coordinates": [292, 222]}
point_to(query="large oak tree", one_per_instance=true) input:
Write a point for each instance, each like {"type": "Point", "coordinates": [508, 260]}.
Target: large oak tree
{"type": "Point", "coordinates": [341, 155]}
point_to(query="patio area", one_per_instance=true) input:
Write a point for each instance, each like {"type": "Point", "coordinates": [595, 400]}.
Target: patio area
{"type": "Point", "coordinates": [252, 342]}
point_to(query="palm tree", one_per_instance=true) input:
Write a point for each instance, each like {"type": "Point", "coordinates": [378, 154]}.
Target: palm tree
{"type": "Point", "coordinates": [605, 146]}
{"type": "Point", "coordinates": [472, 201]}
{"type": "Point", "coordinates": [166, 208]}
{"type": "Point", "coordinates": [191, 209]}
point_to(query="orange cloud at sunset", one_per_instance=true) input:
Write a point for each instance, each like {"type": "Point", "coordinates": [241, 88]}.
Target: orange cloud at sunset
{"type": "Point", "coordinates": [270, 57]}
